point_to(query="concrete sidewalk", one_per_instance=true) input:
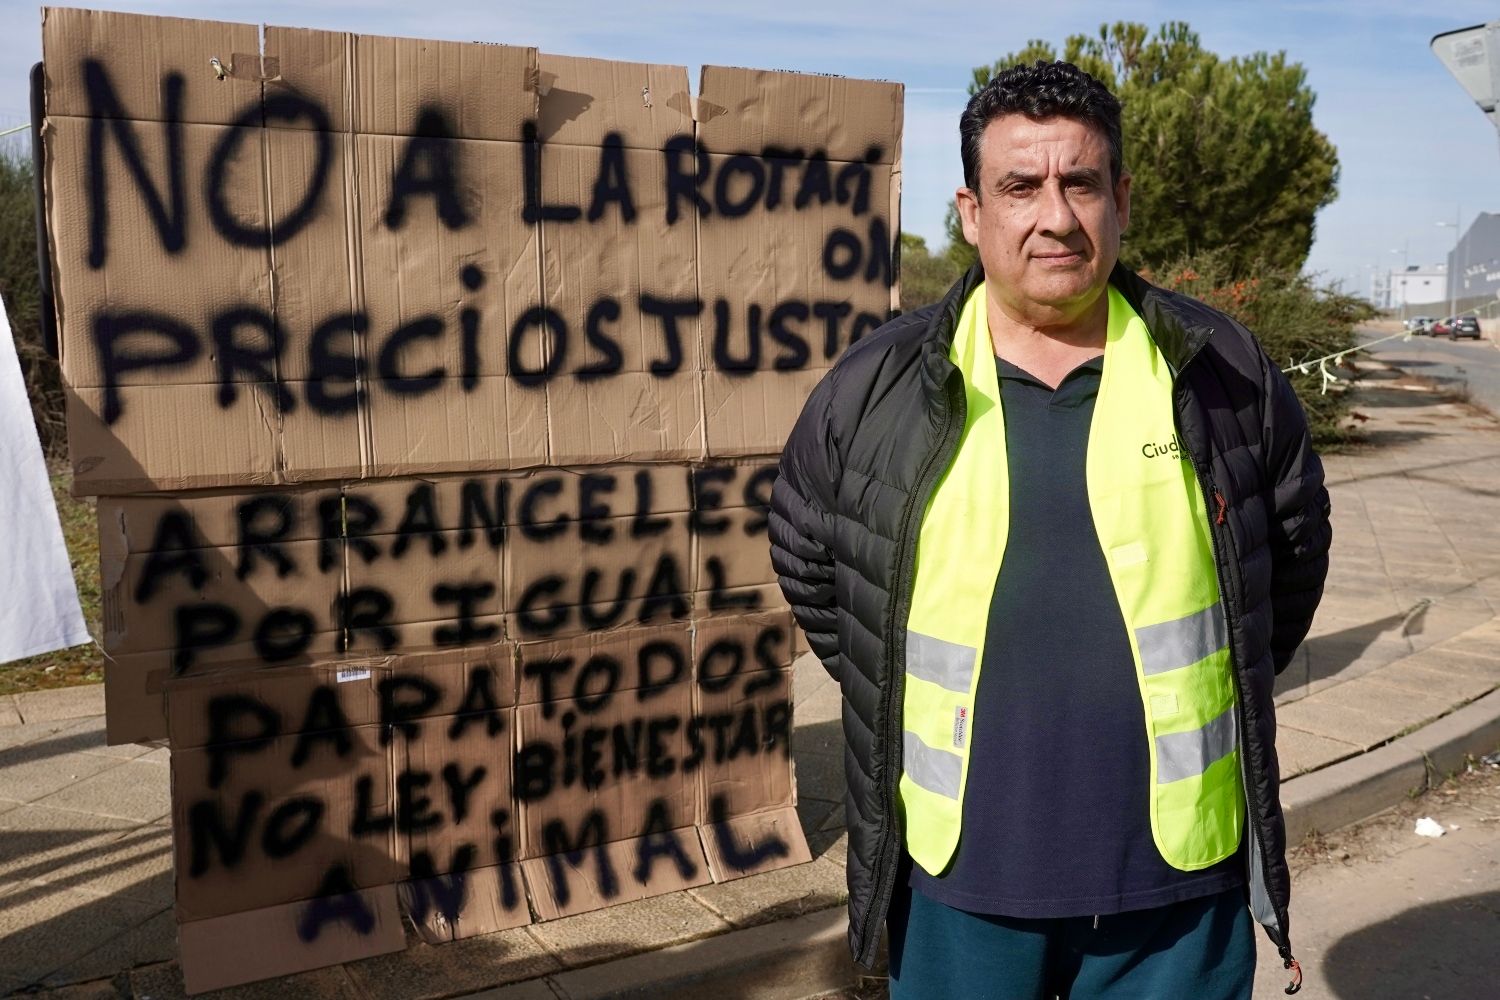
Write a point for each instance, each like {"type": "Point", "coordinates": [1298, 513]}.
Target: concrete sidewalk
{"type": "Point", "coordinates": [1390, 686]}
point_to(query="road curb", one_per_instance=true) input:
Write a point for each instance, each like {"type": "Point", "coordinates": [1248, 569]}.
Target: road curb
{"type": "Point", "coordinates": [785, 960]}
{"type": "Point", "coordinates": [1371, 782]}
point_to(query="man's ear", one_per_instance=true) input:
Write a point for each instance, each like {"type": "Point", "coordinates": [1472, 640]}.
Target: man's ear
{"type": "Point", "coordinates": [1122, 200]}
{"type": "Point", "coordinates": [967, 202]}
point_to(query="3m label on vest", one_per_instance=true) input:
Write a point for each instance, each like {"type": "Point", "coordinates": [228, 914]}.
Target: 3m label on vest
{"type": "Point", "coordinates": [960, 727]}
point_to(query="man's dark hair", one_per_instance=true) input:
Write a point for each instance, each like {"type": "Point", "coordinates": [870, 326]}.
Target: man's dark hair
{"type": "Point", "coordinates": [1041, 90]}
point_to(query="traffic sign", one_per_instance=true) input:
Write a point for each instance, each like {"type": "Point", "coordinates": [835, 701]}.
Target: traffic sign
{"type": "Point", "coordinates": [1472, 55]}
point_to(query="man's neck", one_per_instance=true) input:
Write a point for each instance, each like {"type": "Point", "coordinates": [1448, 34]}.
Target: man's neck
{"type": "Point", "coordinates": [1049, 346]}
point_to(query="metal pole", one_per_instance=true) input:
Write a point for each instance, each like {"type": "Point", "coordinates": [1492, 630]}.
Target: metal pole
{"type": "Point", "coordinates": [1458, 219]}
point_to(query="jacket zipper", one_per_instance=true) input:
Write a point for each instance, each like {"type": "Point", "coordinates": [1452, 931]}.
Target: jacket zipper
{"type": "Point", "coordinates": [1215, 505]}
{"type": "Point", "coordinates": [886, 864]}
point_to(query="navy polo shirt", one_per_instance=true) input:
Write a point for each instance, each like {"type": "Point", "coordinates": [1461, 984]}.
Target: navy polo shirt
{"type": "Point", "coordinates": [1056, 809]}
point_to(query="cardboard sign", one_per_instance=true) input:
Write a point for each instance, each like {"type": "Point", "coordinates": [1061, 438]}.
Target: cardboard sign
{"type": "Point", "coordinates": [433, 394]}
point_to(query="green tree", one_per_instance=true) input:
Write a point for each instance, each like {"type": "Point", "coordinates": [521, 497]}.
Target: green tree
{"type": "Point", "coordinates": [1224, 153]}
{"type": "Point", "coordinates": [924, 277]}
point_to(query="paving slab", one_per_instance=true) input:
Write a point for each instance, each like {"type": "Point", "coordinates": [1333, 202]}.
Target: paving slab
{"type": "Point", "coordinates": [820, 776]}
{"type": "Point", "coordinates": [88, 736]}
{"type": "Point", "coordinates": [1299, 752]}
{"type": "Point", "coordinates": [629, 929]}
{"type": "Point", "coordinates": [789, 960]}
{"type": "Point", "coordinates": [27, 778]}
{"type": "Point", "coordinates": [1406, 708]}
{"type": "Point", "coordinates": [62, 703]}
{"type": "Point", "coordinates": [43, 928]}
{"type": "Point", "coordinates": [164, 982]}
{"type": "Point", "coordinates": [814, 815]}
{"type": "Point", "coordinates": [787, 892]}
{"type": "Point", "coordinates": [9, 715]}
{"type": "Point", "coordinates": [138, 790]}
{"type": "Point", "coordinates": [1410, 675]}
{"type": "Point", "coordinates": [136, 864]}
{"type": "Point", "coordinates": [423, 970]}
{"type": "Point", "coordinates": [27, 733]}
{"type": "Point", "coordinates": [1322, 715]}
{"type": "Point", "coordinates": [147, 943]}
{"type": "Point", "coordinates": [99, 989]}
{"type": "Point", "coordinates": [822, 737]}
{"type": "Point", "coordinates": [1447, 659]}
{"type": "Point", "coordinates": [823, 705]}
{"type": "Point", "coordinates": [39, 840]}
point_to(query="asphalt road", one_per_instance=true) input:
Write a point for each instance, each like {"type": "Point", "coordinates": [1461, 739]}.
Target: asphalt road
{"type": "Point", "coordinates": [1471, 363]}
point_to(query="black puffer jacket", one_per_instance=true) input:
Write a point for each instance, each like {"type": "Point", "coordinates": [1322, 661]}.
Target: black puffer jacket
{"type": "Point", "coordinates": [861, 464]}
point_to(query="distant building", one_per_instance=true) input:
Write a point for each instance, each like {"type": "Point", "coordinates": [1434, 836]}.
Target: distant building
{"type": "Point", "coordinates": [1417, 286]}
{"type": "Point", "coordinates": [1474, 265]}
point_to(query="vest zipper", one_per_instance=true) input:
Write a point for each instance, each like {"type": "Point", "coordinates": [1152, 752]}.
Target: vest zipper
{"type": "Point", "coordinates": [886, 862]}
{"type": "Point", "coordinates": [1213, 501]}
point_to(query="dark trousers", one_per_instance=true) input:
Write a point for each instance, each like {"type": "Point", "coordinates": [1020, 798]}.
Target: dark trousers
{"type": "Point", "coordinates": [1200, 948]}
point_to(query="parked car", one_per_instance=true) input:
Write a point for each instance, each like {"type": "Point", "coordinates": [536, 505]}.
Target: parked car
{"type": "Point", "coordinates": [1464, 326]}
{"type": "Point", "coordinates": [1442, 327]}
{"type": "Point", "coordinates": [1419, 325]}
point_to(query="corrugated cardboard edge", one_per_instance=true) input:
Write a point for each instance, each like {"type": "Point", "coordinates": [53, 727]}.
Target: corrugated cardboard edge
{"type": "Point", "coordinates": [746, 835]}
{"type": "Point", "coordinates": [260, 944]}
{"type": "Point", "coordinates": [483, 910]}
{"type": "Point", "coordinates": [584, 891]}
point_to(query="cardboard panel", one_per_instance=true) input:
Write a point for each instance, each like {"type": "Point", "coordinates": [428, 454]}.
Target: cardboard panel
{"type": "Point", "coordinates": [743, 706]}
{"type": "Point", "coordinates": [481, 90]}
{"type": "Point", "coordinates": [750, 109]}
{"type": "Point", "coordinates": [292, 818]}
{"type": "Point", "coordinates": [465, 904]}
{"type": "Point", "coordinates": [294, 937]}
{"type": "Point", "coordinates": [114, 264]}
{"type": "Point", "coordinates": [622, 871]}
{"type": "Point", "coordinates": [582, 100]}
{"type": "Point", "coordinates": [311, 65]}
{"type": "Point", "coordinates": [759, 842]}
{"type": "Point", "coordinates": [116, 44]}
{"type": "Point", "coordinates": [433, 392]}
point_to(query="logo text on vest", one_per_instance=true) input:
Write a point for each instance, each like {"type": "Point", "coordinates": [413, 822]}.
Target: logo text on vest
{"type": "Point", "coordinates": [960, 727]}
{"type": "Point", "coordinates": [1172, 449]}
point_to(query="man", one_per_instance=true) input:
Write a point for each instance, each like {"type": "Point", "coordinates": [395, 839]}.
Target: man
{"type": "Point", "coordinates": [1055, 536]}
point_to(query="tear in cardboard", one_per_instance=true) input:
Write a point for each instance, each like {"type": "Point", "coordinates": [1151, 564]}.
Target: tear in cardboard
{"type": "Point", "coordinates": [433, 394]}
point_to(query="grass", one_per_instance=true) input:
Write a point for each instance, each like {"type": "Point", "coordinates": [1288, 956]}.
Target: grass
{"type": "Point", "coordinates": [81, 664]}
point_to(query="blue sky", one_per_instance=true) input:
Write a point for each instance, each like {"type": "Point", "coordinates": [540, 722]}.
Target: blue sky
{"type": "Point", "coordinates": [1413, 148]}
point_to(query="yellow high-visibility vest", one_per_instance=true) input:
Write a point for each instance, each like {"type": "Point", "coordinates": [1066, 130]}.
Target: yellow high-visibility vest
{"type": "Point", "coordinates": [1151, 517]}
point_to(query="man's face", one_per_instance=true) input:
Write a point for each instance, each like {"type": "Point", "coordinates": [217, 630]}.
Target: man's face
{"type": "Point", "coordinates": [1046, 218]}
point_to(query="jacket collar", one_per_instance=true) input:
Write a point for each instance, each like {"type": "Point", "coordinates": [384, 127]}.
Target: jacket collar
{"type": "Point", "coordinates": [1179, 325]}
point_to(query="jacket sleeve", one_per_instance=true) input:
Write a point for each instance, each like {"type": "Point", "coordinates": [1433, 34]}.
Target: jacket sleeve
{"type": "Point", "coordinates": [1299, 532]}
{"type": "Point", "coordinates": [801, 527]}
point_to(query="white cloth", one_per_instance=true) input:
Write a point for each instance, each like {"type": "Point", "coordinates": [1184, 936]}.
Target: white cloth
{"type": "Point", "coordinates": [39, 609]}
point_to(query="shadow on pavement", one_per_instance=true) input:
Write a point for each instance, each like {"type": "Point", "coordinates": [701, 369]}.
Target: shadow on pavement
{"type": "Point", "coordinates": [1444, 949]}
{"type": "Point", "coordinates": [1331, 653]}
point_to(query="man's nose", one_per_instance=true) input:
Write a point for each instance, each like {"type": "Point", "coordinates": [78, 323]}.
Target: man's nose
{"type": "Point", "coordinates": [1057, 216]}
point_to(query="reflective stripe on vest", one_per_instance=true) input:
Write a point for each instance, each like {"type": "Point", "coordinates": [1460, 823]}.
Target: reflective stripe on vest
{"type": "Point", "coordinates": [1152, 522]}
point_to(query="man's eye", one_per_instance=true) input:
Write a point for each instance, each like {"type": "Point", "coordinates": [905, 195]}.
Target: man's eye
{"type": "Point", "coordinates": [1019, 190]}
